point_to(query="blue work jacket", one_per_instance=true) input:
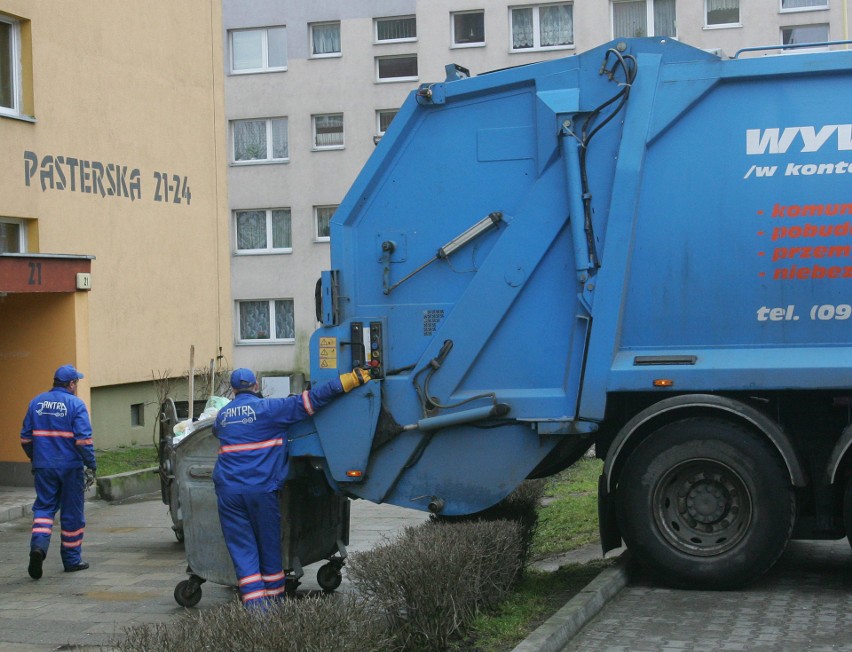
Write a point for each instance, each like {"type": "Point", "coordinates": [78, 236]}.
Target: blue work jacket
{"type": "Point", "coordinates": [252, 434]}
{"type": "Point", "coordinates": [57, 433]}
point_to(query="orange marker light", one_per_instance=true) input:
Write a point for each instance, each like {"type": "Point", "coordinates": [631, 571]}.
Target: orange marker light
{"type": "Point", "coordinates": [352, 473]}
{"type": "Point", "coordinates": [663, 382]}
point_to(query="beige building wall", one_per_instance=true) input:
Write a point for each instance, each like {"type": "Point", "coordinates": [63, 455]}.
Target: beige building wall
{"type": "Point", "coordinates": [119, 154]}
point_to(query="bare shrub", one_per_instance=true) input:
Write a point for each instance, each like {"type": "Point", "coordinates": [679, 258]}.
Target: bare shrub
{"type": "Point", "coordinates": [433, 579]}
{"type": "Point", "coordinates": [520, 506]}
{"type": "Point", "coordinates": [311, 624]}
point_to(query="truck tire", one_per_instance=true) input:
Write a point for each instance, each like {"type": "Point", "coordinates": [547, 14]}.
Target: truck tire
{"type": "Point", "coordinates": [705, 504]}
{"type": "Point", "coordinates": [847, 510]}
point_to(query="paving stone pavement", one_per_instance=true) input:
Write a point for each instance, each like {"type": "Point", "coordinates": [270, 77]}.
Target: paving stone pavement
{"type": "Point", "coordinates": [136, 562]}
{"type": "Point", "coordinates": [803, 604]}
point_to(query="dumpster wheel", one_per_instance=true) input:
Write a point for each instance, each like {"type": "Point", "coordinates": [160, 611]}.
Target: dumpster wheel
{"type": "Point", "coordinates": [329, 575]}
{"type": "Point", "coordinates": [188, 592]}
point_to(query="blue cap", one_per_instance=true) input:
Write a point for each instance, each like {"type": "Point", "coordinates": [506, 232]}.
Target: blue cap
{"type": "Point", "coordinates": [242, 379]}
{"type": "Point", "coordinates": [66, 373]}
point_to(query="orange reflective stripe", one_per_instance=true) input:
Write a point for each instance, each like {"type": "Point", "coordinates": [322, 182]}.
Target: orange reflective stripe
{"type": "Point", "coordinates": [42, 519]}
{"type": "Point", "coordinates": [273, 578]}
{"type": "Point", "coordinates": [273, 592]}
{"type": "Point", "coordinates": [41, 530]}
{"type": "Point", "coordinates": [306, 401]}
{"type": "Point", "coordinates": [74, 533]}
{"type": "Point", "coordinates": [249, 579]}
{"type": "Point", "coordinates": [254, 595]}
{"type": "Point", "coordinates": [237, 448]}
{"type": "Point", "coordinates": [53, 433]}
{"type": "Point", "coordinates": [72, 544]}
{"type": "Point", "coordinates": [83, 442]}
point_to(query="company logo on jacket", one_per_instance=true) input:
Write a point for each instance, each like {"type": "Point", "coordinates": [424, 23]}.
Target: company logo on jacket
{"type": "Point", "coordinates": [52, 409]}
{"type": "Point", "coordinates": [237, 414]}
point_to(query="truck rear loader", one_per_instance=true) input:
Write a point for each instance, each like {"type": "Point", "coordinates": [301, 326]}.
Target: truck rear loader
{"type": "Point", "coordinates": [645, 248]}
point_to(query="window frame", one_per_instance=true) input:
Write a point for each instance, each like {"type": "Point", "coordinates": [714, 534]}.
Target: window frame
{"type": "Point", "coordinates": [22, 233]}
{"type": "Point", "coordinates": [537, 47]}
{"type": "Point", "coordinates": [390, 80]}
{"type": "Point", "coordinates": [317, 236]}
{"type": "Point", "coordinates": [795, 10]}
{"type": "Point", "coordinates": [271, 316]}
{"type": "Point", "coordinates": [379, 112]}
{"type": "Point", "coordinates": [15, 68]}
{"type": "Point", "coordinates": [270, 247]}
{"type": "Point", "coordinates": [324, 55]}
{"type": "Point", "coordinates": [819, 44]}
{"type": "Point", "coordinates": [406, 39]}
{"type": "Point", "coordinates": [316, 147]}
{"type": "Point", "coordinates": [265, 68]}
{"type": "Point", "coordinates": [269, 142]}
{"type": "Point", "coordinates": [476, 44]}
{"type": "Point", "coordinates": [709, 25]}
{"type": "Point", "coordinates": [650, 19]}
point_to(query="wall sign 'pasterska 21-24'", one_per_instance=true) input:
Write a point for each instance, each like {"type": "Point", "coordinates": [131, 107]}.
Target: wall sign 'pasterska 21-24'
{"type": "Point", "coordinates": [56, 172]}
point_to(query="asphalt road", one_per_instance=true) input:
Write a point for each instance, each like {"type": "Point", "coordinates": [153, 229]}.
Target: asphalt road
{"type": "Point", "coordinates": [803, 604]}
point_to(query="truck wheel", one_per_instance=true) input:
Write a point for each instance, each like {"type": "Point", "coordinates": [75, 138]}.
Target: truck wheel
{"type": "Point", "coordinates": [705, 503]}
{"type": "Point", "coordinates": [847, 510]}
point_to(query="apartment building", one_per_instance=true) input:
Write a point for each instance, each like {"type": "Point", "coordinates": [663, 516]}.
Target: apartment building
{"type": "Point", "coordinates": [113, 207]}
{"type": "Point", "coordinates": [311, 87]}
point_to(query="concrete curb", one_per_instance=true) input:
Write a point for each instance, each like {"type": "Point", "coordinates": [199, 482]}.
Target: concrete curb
{"type": "Point", "coordinates": [558, 630]}
{"type": "Point", "coordinates": [129, 484]}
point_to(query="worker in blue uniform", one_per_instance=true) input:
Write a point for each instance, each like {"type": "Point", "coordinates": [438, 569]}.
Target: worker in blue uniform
{"type": "Point", "coordinates": [250, 470]}
{"type": "Point", "coordinates": [57, 437]}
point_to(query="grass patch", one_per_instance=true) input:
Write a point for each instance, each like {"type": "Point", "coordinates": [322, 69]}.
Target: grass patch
{"type": "Point", "coordinates": [120, 460]}
{"type": "Point", "coordinates": [569, 517]}
{"type": "Point", "coordinates": [537, 597]}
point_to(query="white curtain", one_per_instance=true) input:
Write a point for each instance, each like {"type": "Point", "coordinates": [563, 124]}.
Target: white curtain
{"type": "Point", "coordinates": [522, 28]}
{"type": "Point", "coordinates": [665, 19]}
{"type": "Point", "coordinates": [396, 28]}
{"type": "Point", "coordinates": [629, 19]}
{"type": "Point", "coordinates": [279, 138]}
{"type": "Point", "coordinates": [329, 130]}
{"type": "Point", "coordinates": [251, 230]}
{"type": "Point", "coordinates": [557, 25]}
{"type": "Point", "coordinates": [285, 323]}
{"type": "Point", "coordinates": [723, 12]}
{"type": "Point", "coordinates": [254, 320]}
{"type": "Point", "coordinates": [326, 38]}
{"type": "Point", "coordinates": [281, 229]}
{"type": "Point", "coordinates": [249, 140]}
{"type": "Point", "coordinates": [247, 50]}
{"type": "Point", "coordinates": [796, 4]}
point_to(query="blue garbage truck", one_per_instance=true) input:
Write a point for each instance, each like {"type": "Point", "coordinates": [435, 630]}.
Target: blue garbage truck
{"type": "Point", "coordinates": [644, 248]}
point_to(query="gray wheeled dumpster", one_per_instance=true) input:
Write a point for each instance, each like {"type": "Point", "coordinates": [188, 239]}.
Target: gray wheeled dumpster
{"type": "Point", "coordinates": [314, 520]}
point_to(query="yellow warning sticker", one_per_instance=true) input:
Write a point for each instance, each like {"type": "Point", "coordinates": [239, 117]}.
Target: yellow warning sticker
{"type": "Point", "coordinates": [328, 341]}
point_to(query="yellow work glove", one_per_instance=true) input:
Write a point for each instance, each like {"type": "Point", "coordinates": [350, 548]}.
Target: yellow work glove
{"type": "Point", "coordinates": [354, 378]}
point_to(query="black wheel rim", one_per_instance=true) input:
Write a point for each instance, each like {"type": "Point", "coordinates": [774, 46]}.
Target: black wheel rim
{"type": "Point", "coordinates": [702, 507]}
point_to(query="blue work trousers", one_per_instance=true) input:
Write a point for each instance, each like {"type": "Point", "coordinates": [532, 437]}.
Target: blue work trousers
{"type": "Point", "coordinates": [59, 490]}
{"type": "Point", "coordinates": [251, 525]}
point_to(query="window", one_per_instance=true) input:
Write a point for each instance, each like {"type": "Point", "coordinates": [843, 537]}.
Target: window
{"type": "Point", "coordinates": [263, 230]}
{"type": "Point", "coordinates": [259, 50]}
{"type": "Point", "coordinates": [403, 68]}
{"type": "Point", "coordinates": [328, 131]}
{"type": "Point", "coordinates": [260, 140]}
{"type": "Point", "coordinates": [13, 236]}
{"type": "Point", "coordinates": [722, 12]}
{"type": "Point", "coordinates": [542, 27]}
{"type": "Point", "coordinates": [394, 30]}
{"type": "Point", "coordinates": [137, 415]}
{"type": "Point", "coordinates": [322, 220]}
{"type": "Point", "coordinates": [269, 320]}
{"type": "Point", "coordinates": [468, 28]}
{"type": "Point", "coordinates": [383, 120]}
{"type": "Point", "coordinates": [795, 35]}
{"type": "Point", "coordinates": [795, 5]}
{"type": "Point", "coordinates": [325, 39]}
{"type": "Point", "coordinates": [643, 18]}
{"type": "Point", "coordinates": [10, 67]}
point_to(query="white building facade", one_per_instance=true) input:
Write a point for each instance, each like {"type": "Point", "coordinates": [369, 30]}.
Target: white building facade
{"type": "Point", "coordinates": [310, 86]}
